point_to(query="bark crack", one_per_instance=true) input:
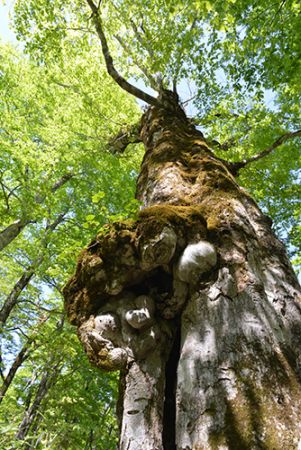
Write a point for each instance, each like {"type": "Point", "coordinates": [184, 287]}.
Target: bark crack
{"type": "Point", "coordinates": [169, 413]}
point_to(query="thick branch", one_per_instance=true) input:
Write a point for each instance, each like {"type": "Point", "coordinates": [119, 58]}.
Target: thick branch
{"type": "Point", "coordinates": [119, 142]}
{"type": "Point", "coordinates": [56, 185]}
{"type": "Point", "coordinates": [61, 181]}
{"type": "Point", "coordinates": [125, 85]}
{"type": "Point", "coordinates": [235, 167]}
{"type": "Point", "coordinates": [11, 232]}
{"type": "Point", "coordinates": [12, 298]}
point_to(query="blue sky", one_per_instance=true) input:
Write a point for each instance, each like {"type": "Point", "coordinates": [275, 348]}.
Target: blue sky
{"type": "Point", "coordinates": [5, 33]}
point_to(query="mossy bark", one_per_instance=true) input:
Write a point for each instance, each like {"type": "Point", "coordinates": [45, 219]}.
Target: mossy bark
{"type": "Point", "coordinates": [211, 360]}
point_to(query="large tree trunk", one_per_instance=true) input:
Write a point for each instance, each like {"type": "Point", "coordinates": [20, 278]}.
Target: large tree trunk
{"type": "Point", "coordinates": [196, 303]}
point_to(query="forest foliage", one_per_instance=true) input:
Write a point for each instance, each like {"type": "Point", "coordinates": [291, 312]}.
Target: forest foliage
{"type": "Point", "coordinates": [60, 183]}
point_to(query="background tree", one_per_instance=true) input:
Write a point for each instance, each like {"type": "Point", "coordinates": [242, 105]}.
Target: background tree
{"type": "Point", "coordinates": [48, 159]}
{"type": "Point", "coordinates": [206, 42]}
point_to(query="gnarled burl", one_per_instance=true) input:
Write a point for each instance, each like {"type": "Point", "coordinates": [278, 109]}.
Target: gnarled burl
{"type": "Point", "coordinates": [195, 303]}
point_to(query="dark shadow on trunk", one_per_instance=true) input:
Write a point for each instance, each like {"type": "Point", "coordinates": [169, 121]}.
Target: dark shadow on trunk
{"type": "Point", "coordinates": [169, 414]}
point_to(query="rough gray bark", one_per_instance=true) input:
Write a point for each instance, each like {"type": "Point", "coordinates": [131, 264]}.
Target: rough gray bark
{"type": "Point", "coordinates": [196, 300]}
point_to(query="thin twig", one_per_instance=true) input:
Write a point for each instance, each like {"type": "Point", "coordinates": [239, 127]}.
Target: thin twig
{"type": "Point", "coordinates": [141, 40]}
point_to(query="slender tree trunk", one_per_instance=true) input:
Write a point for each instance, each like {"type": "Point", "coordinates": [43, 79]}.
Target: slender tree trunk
{"type": "Point", "coordinates": [32, 408]}
{"type": "Point", "coordinates": [8, 234]}
{"type": "Point", "coordinates": [12, 231]}
{"type": "Point", "coordinates": [35, 441]}
{"type": "Point", "coordinates": [13, 297]}
{"type": "Point", "coordinates": [20, 358]}
{"type": "Point", "coordinates": [199, 307]}
{"type": "Point", "coordinates": [47, 381]}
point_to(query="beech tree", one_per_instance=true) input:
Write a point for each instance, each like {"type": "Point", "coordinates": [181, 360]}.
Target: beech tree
{"type": "Point", "coordinates": [195, 302]}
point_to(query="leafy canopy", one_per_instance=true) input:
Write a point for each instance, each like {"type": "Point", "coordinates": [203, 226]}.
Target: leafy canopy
{"type": "Point", "coordinates": [241, 60]}
{"type": "Point", "coordinates": [59, 109]}
{"type": "Point", "coordinates": [58, 177]}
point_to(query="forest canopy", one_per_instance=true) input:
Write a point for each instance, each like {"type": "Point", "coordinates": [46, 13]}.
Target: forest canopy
{"type": "Point", "coordinates": [236, 66]}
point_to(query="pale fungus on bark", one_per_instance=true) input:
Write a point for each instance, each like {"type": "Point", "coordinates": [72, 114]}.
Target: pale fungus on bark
{"type": "Point", "coordinates": [142, 316]}
{"type": "Point", "coordinates": [196, 259]}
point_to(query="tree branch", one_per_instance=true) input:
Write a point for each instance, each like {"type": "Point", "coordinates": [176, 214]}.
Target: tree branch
{"type": "Point", "coordinates": [23, 354]}
{"type": "Point", "coordinates": [236, 166]}
{"type": "Point", "coordinates": [119, 143]}
{"type": "Point", "coordinates": [179, 65]}
{"type": "Point", "coordinates": [125, 85]}
{"type": "Point", "coordinates": [143, 69]}
{"type": "Point", "coordinates": [56, 185]}
{"type": "Point", "coordinates": [7, 192]}
{"type": "Point", "coordinates": [61, 181]}
{"type": "Point", "coordinates": [141, 40]}
{"type": "Point", "coordinates": [79, 91]}
{"type": "Point", "coordinates": [226, 145]}
{"type": "Point", "coordinates": [8, 234]}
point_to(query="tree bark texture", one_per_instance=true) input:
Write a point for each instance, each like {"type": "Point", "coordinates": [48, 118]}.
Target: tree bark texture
{"type": "Point", "coordinates": [196, 303]}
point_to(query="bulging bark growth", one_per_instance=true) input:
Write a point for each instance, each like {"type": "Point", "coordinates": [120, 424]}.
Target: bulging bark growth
{"type": "Point", "coordinates": [195, 302]}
